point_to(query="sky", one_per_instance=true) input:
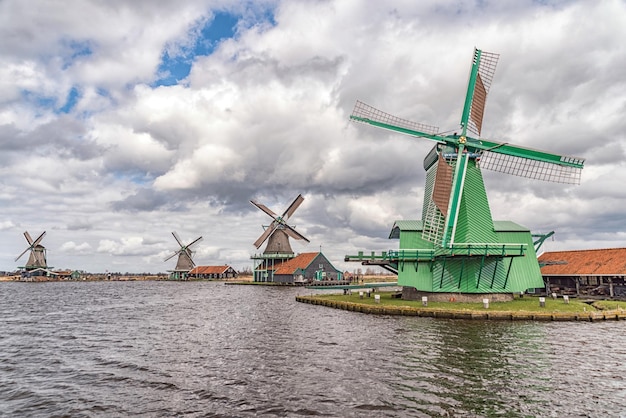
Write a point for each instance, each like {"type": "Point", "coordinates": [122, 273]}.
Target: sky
{"type": "Point", "coordinates": [122, 121]}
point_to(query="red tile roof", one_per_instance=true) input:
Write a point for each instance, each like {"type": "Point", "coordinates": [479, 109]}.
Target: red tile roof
{"type": "Point", "coordinates": [606, 262]}
{"type": "Point", "coordinates": [301, 261]}
{"type": "Point", "coordinates": [209, 270]}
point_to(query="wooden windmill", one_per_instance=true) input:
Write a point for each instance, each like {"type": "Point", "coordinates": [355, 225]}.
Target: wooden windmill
{"type": "Point", "coordinates": [277, 234]}
{"type": "Point", "coordinates": [185, 258]}
{"type": "Point", "coordinates": [37, 257]}
{"type": "Point", "coordinates": [457, 246]}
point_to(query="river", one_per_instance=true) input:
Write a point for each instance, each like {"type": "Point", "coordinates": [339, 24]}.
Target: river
{"type": "Point", "coordinates": [206, 349]}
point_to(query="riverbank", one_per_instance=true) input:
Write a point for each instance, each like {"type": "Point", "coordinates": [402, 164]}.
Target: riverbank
{"type": "Point", "coordinates": [131, 278]}
{"type": "Point", "coordinates": [528, 308]}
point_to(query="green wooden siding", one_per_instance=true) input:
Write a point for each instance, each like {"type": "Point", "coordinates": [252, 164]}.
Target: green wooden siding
{"type": "Point", "coordinates": [474, 223]}
{"type": "Point", "coordinates": [475, 274]}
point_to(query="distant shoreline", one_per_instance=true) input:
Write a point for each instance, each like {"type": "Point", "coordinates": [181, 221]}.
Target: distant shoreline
{"type": "Point", "coordinates": [103, 278]}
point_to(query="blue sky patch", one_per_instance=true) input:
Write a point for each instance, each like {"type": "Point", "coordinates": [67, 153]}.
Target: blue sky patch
{"type": "Point", "coordinates": [51, 103]}
{"type": "Point", "coordinates": [175, 68]}
{"type": "Point", "coordinates": [39, 100]}
{"type": "Point", "coordinates": [72, 98]}
{"type": "Point", "coordinates": [76, 49]}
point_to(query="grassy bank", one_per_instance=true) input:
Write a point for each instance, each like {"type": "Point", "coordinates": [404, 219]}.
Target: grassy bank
{"type": "Point", "coordinates": [527, 308]}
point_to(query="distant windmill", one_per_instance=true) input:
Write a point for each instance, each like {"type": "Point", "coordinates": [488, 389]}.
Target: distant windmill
{"type": "Point", "coordinates": [185, 256]}
{"type": "Point", "coordinates": [37, 258]}
{"type": "Point", "coordinates": [278, 232]}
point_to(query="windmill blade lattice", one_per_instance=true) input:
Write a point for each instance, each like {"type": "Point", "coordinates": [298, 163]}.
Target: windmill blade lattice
{"type": "Point", "coordinates": [476, 99]}
{"type": "Point", "coordinates": [533, 169]}
{"type": "Point", "coordinates": [365, 113]}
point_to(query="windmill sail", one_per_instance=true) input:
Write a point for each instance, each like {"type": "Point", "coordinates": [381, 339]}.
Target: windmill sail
{"type": "Point", "coordinates": [367, 114]}
{"type": "Point", "coordinates": [481, 75]}
{"type": "Point", "coordinates": [567, 170]}
{"type": "Point", "coordinates": [37, 257]}
{"type": "Point", "coordinates": [292, 208]}
{"type": "Point", "coordinates": [268, 231]}
{"type": "Point", "coordinates": [185, 254]}
{"type": "Point", "coordinates": [438, 197]}
{"type": "Point", "coordinates": [279, 231]}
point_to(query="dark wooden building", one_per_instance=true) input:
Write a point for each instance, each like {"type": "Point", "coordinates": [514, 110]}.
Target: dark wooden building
{"type": "Point", "coordinates": [305, 268]}
{"type": "Point", "coordinates": [600, 272]}
{"type": "Point", "coordinates": [68, 274]}
{"type": "Point", "coordinates": [212, 272]}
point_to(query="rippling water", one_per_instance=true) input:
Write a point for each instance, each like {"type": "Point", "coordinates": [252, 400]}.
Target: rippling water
{"type": "Point", "coordinates": [198, 349]}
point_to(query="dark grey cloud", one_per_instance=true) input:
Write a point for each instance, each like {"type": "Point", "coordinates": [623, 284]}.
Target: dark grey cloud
{"type": "Point", "coordinates": [147, 200]}
{"type": "Point", "coordinates": [65, 137]}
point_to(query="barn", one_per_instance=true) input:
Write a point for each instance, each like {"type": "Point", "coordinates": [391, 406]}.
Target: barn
{"type": "Point", "coordinates": [600, 272]}
{"type": "Point", "coordinates": [212, 272]}
{"type": "Point", "coordinates": [306, 267]}
{"type": "Point", "coordinates": [68, 274]}
{"type": "Point", "coordinates": [38, 274]}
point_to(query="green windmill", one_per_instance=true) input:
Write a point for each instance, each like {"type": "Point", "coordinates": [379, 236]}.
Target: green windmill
{"type": "Point", "coordinates": [457, 246]}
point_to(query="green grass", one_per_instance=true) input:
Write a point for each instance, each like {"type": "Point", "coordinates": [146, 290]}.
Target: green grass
{"type": "Point", "coordinates": [608, 305]}
{"type": "Point", "coordinates": [379, 279]}
{"type": "Point", "coordinates": [526, 304]}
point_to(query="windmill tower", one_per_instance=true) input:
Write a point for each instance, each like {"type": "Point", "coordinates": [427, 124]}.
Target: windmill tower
{"type": "Point", "coordinates": [37, 257]}
{"type": "Point", "coordinates": [185, 258]}
{"type": "Point", "coordinates": [277, 234]}
{"type": "Point", "coordinates": [457, 246]}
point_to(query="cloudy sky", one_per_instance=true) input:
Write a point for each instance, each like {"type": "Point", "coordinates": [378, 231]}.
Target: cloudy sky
{"type": "Point", "coordinates": [122, 121]}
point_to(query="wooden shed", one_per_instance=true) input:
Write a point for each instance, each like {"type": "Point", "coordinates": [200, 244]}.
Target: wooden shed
{"type": "Point", "coordinates": [585, 272]}
{"type": "Point", "coordinates": [212, 272]}
{"type": "Point", "coordinates": [306, 267]}
{"type": "Point", "coordinates": [68, 274]}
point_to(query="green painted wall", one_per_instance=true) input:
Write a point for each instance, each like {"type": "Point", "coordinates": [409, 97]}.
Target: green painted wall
{"type": "Point", "coordinates": [473, 274]}
{"type": "Point", "coordinates": [474, 223]}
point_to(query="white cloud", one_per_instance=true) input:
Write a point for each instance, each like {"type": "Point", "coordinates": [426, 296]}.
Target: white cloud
{"type": "Point", "coordinates": [71, 247]}
{"type": "Point", "coordinates": [5, 225]}
{"type": "Point", "coordinates": [127, 246]}
{"type": "Point", "coordinates": [266, 116]}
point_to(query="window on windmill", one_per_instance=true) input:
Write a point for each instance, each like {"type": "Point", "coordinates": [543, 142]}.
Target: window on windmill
{"type": "Point", "coordinates": [321, 266]}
